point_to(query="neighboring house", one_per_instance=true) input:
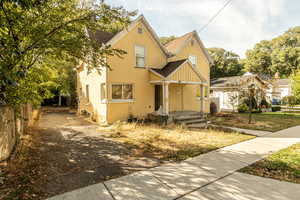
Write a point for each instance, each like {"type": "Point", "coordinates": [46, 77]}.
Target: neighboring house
{"type": "Point", "coordinates": [150, 77]}
{"type": "Point", "coordinates": [279, 88]}
{"type": "Point", "coordinates": [225, 91]}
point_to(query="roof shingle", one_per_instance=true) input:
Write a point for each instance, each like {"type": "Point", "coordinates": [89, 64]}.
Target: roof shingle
{"type": "Point", "coordinates": [169, 68]}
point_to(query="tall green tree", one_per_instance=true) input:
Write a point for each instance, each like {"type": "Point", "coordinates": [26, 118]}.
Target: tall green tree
{"type": "Point", "coordinates": [226, 63]}
{"type": "Point", "coordinates": [32, 29]}
{"type": "Point", "coordinates": [281, 54]}
{"type": "Point", "coordinates": [296, 84]}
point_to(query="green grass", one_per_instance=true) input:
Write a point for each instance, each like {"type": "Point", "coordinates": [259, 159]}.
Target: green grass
{"type": "Point", "coordinates": [283, 165]}
{"type": "Point", "coordinates": [271, 121]}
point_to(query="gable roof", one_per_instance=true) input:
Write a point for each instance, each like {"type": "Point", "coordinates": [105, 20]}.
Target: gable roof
{"type": "Point", "coordinates": [169, 68]}
{"type": "Point", "coordinates": [175, 46]}
{"type": "Point", "coordinates": [142, 19]}
{"type": "Point", "coordinates": [232, 81]}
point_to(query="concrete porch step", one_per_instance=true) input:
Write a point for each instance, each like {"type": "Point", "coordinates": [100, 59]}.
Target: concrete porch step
{"type": "Point", "coordinates": [185, 118]}
{"type": "Point", "coordinates": [194, 121]}
{"type": "Point", "coordinates": [199, 125]}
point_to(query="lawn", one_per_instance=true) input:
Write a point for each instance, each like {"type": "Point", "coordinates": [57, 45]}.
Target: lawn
{"type": "Point", "coordinates": [283, 165]}
{"type": "Point", "coordinates": [271, 121]}
{"type": "Point", "coordinates": [172, 142]}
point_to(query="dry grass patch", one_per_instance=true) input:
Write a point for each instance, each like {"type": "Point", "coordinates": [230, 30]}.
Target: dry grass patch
{"type": "Point", "coordinates": [171, 142]}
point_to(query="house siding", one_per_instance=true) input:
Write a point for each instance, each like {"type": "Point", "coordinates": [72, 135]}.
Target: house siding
{"type": "Point", "coordinates": [124, 71]}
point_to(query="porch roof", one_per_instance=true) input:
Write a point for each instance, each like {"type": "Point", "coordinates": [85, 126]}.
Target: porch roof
{"type": "Point", "coordinates": [181, 71]}
{"type": "Point", "coordinates": [169, 68]}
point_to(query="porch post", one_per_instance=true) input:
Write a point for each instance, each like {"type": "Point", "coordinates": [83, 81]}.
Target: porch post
{"type": "Point", "coordinates": [166, 98]}
{"type": "Point", "coordinates": [201, 99]}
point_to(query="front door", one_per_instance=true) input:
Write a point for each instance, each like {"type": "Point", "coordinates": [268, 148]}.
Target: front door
{"type": "Point", "coordinates": [158, 97]}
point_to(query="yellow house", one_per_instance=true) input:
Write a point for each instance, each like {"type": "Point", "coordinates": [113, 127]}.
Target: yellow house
{"type": "Point", "coordinates": [150, 77]}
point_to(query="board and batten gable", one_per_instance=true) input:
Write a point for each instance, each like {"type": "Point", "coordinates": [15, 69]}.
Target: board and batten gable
{"type": "Point", "coordinates": [124, 70]}
{"type": "Point", "coordinates": [193, 48]}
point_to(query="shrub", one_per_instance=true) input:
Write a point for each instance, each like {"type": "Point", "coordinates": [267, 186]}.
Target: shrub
{"type": "Point", "coordinates": [264, 104]}
{"type": "Point", "coordinates": [290, 100]}
{"type": "Point", "coordinates": [276, 108]}
{"type": "Point", "coordinates": [242, 108]}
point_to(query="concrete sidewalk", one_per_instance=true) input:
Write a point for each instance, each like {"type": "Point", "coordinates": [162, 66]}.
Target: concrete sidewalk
{"type": "Point", "coordinates": [209, 176]}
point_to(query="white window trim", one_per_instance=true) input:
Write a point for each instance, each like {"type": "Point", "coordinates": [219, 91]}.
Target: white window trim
{"type": "Point", "coordinates": [136, 56]}
{"type": "Point", "coordinates": [121, 100]}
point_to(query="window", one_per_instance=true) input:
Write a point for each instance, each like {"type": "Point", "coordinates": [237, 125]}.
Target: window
{"type": "Point", "coordinates": [103, 91]}
{"type": "Point", "coordinates": [140, 30]}
{"type": "Point", "coordinates": [193, 60]}
{"type": "Point", "coordinates": [192, 42]}
{"type": "Point", "coordinates": [87, 92]}
{"type": "Point", "coordinates": [205, 92]}
{"type": "Point", "coordinates": [122, 91]}
{"type": "Point", "coordinates": [139, 56]}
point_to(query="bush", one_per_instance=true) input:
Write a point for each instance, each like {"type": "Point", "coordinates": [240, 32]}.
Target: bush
{"type": "Point", "coordinates": [276, 108]}
{"type": "Point", "coordinates": [264, 104]}
{"type": "Point", "coordinates": [257, 111]}
{"type": "Point", "coordinates": [242, 108]}
{"type": "Point", "coordinates": [290, 100]}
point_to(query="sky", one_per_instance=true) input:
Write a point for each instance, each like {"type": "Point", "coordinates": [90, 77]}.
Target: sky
{"type": "Point", "coordinates": [241, 25]}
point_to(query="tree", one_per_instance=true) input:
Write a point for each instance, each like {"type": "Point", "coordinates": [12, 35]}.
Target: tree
{"type": "Point", "coordinates": [296, 84]}
{"type": "Point", "coordinates": [226, 63]}
{"type": "Point", "coordinates": [258, 60]}
{"type": "Point", "coordinates": [291, 101]}
{"type": "Point", "coordinates": [31, 30]}
{"type": "Point", "coordinates": [165, 40]}
{"type": "Point", "coordinates": [233, 100]}
{"type": "Point", "coordinates": [281, 54]}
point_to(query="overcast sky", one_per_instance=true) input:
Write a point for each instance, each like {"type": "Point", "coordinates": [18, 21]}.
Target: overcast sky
{"type": "Point", "coordinates": [239, 26]}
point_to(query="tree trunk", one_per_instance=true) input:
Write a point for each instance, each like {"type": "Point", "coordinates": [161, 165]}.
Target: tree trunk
{"type": "Point", "coordinates": [250, 108]}
{"type": "Point", "coordinates": [59, 100]}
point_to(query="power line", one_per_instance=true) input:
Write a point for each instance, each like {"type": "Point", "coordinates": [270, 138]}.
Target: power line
{"type": "Point", "coordinates": [216, 15]}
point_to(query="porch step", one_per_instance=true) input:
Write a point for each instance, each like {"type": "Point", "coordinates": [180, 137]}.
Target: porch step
{"type": "Point", "coordinates": [194, 121]}
{"type": "Point", "coordinates": [196, 126]}
{"type": "Point", "coordinates": [187, 117]}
